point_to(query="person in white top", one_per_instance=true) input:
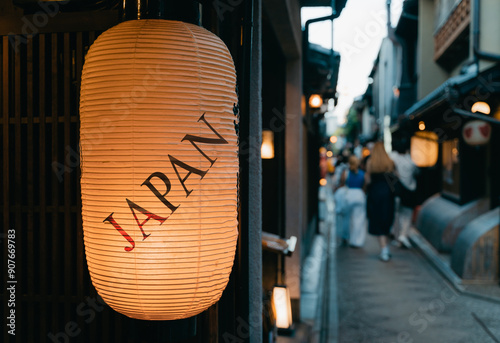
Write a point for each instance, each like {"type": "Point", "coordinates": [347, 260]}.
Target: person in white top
{"type": "Point", "coordinates": [406, 171]}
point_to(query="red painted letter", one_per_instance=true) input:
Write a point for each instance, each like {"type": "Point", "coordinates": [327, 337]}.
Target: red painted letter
{"type": "Point", "coordinates": [120, 230]}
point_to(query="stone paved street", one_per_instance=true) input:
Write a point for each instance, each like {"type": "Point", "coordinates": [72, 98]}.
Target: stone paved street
{"type": "Point", "coordinates": [406, 300]}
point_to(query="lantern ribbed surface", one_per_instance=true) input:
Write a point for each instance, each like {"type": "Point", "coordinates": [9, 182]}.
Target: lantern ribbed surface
{"type": "Point", "coordinates": [159, 168]}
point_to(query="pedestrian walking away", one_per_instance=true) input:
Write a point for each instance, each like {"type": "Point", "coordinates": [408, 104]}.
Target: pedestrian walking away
{"type": "Point", "coordinates": [340, 191]}
{"type": "Point", "coordinates": [356, 203]}
{"type": "Point", "coordinates": [405, 202]}
{"type": "Point", "coordinates": [380, 197]}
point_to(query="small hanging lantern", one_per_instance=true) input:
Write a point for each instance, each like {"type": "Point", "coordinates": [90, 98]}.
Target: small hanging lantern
{"type": "Point", "coordinates": [476, 132]}
{"type": "Point", "coordinates": [424, 149]}
{"type": "Point", "coordinates": [159, 168]}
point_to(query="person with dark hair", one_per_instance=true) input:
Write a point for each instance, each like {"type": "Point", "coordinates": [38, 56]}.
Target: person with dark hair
{"type": "Point", "coordinates": [380, 197]}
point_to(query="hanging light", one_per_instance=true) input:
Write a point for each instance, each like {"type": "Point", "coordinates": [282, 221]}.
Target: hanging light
{"type": "Point", "coordinates": [476, 132]}
{"type": "Point", "coordinates": [315, 101]}
{"type": "Point", "coordinates": [424, 148]}
{"type": "Point", "coordinates": [267, 147]}
{"type": "Point", "coordinates": [282, 307]}
{"type": "Point", "coordinates": [421, 126]}
{"type": "Point", "coordinates": [481, 107]}
{"type": "Point", "coordinates": [159, 168]}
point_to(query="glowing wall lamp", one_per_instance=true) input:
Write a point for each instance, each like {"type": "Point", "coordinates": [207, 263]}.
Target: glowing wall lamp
{"type": "Point", "coordinates": [424, 148]}
{"type": "Point", "coordinates": [267, 147]}
{"type": "Point", "coordinates": [315, 101]}
{"type": "Point", "coordinates": [159, 168]}
{"type": "Point", "coordinates": [282, 307]}
{"type": "Point", "coordinates": [481, 107]}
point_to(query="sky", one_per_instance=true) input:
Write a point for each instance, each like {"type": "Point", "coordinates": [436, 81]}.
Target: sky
{"type": "Point", "coordinates": [358, 33]}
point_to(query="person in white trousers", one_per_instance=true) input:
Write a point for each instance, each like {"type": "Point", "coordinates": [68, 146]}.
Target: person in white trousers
{"type": "Point", "coordinates": [341, 220]}
{"type": "Point", "coordinates": [355, 203]}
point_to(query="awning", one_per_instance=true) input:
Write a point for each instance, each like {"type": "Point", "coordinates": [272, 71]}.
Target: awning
{"type": "Point", "coordinates": [455, 96]}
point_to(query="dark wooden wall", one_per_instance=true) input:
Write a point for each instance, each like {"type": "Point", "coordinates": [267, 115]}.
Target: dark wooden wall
{"type": "Point", "coordinates": [40, 177]}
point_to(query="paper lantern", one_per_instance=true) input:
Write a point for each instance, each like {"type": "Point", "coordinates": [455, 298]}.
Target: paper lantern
{"type": "Point", "coordinates": [476, 132]}
{"type": "Point", "coordinates": [424, 148]}
{"type": "Point", "coordinates": [159, 168]}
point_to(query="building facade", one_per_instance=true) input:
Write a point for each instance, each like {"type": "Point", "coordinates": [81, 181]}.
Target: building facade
{"type": "Point", "coordinates": [450, 66]}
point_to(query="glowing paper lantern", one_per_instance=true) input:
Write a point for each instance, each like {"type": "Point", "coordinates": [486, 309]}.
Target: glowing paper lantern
{"type": "Point", "coordinates": [159, 168]}
{"type": "Point", "coordinates": [424, 148]}
{"type": "Point", "coordinates": [476, 132]}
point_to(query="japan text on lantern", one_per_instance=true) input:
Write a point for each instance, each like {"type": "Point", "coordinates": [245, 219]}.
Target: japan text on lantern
{"type": "Point", "coordinates": [476, 132]}
{"type": "Point", "coordinates": [424, 148]}
{"type": "Point", "coordinates": [159, 168]}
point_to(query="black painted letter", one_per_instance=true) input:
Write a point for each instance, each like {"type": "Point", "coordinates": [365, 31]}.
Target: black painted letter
{"type": "Point", "coordinates": [160, 196]}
